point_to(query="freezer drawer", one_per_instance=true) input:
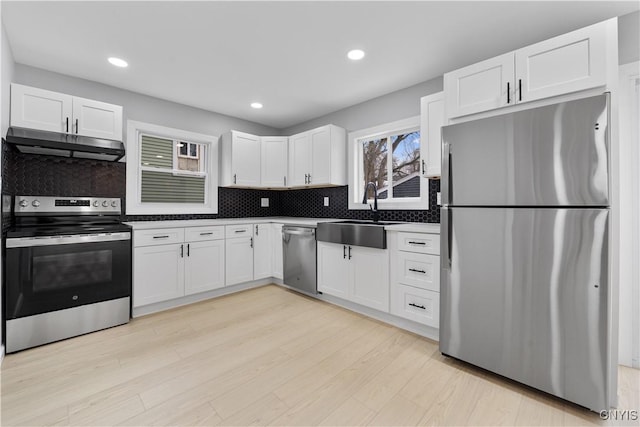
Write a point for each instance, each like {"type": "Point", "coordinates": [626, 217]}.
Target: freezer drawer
{"type": "Point", "coordinates": [526, 295]}
{"type": "Point", "coordinates": [555, 155]}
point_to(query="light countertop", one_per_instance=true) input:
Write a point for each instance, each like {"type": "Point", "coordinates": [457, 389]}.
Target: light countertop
{"type": "Point", "coordinates": [416, 227]}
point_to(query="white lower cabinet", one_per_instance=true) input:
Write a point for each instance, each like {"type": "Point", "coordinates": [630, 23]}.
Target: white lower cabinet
{"type": "Point", "coordinates": [415, 276]}
{"type": "Point", "coordinates": [158, 274]}
{"type": "Point", "coordinates": [354, 273]}
{"type": "Point", "coordinates": [204, 266]}
{"type": "Point", "coordinates": [239, 264]}
{"type": "Point", "coordinates": [174, 262]}
{"type": "Point", "coordinates": [277, 268]}
{"type": "Point", "coordinates": [262, 251]}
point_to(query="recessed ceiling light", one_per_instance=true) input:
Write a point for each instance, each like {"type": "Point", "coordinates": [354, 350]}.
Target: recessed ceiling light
{"type": "Point", "coordinates": [118, 62]}
{"type": "Point", "coordinates": [256, 105]}
{"type": "Point", "coordinates": [355, 54]}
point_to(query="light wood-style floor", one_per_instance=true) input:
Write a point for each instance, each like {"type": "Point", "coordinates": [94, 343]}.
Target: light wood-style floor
{"type": "Point", "coordinates": [268, 356]}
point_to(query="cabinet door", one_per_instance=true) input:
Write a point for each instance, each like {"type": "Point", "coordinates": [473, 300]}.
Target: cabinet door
{"type": "Point", "coordinates": [158, 274]}
{"type": "Point", "coordinates": [419, 270]}
{"type": "Point", "coordinates": [480, 87]}
{"type": "Point", "coordinates": [276, 243]}
{"type": "Point", "coordinates": [40, 109]}
{"type": "Point", "coordinates": [245, 159]}
{"type": "Point", "coordinates": [274, 161]}
{"type": "Point", "coordinates": [431, 121]}
{"type": "Point", "coordinates": [370, 286]}
{"type": "Point", "coordinates": [262, 251]}
{"type": "Point", "coordinates": [299, 159]}
{"type": "Point", "coordinates": [320, 172]}
{"type": "Point", "coordinates": [96, 119]}
{"type": "Point", "coordinates": [567, 63]}
{"type": "Point", "coordinates": [335, 273]}
{"type": "Point", "coordinates": [204, 266]}
{"type": "Point", "coordinates": [238, 260]}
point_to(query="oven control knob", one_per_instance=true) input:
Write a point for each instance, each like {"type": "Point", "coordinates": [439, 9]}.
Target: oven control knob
{"type": "Point", "coordinates": [105, 203]}
{"type": "Point", "coordinates": [114, 203]}
{"type": "Point", "coordinates": [96, 203]}
{"type": "Point", "coordinates": [24, 203]}
{"type": "Point", "coordinates": [35, 203]}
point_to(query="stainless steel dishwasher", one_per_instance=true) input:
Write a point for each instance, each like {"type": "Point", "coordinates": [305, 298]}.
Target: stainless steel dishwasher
{"type": "Point", "coordinates": [299, 253]}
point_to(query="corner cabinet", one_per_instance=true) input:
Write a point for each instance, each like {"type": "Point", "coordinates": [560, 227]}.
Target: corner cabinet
{"type": "Point", "coordinates": [354, 273]}
{"type": "Point", "coordinates": [274, 164]}
{"type": "Point", "coordinates": [318, 157]}
{"type": "Point", "coordinates": [432, 118]}
{"type": "Point", "coordinates": [568, 63]}
{"type": "Point", "coordinates": [240, 163]}
{"type": "Point", "coordinates": [41, 109]}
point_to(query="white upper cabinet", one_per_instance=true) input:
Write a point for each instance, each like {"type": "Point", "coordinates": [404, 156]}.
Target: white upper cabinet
{"type": "Point", "coordinates": [97, 119]}
{"type": "Point", "coordinates": [318, 157]}
{"type": "Point", "coordinates": [563, 64]}
{"type": "Point", "coordinates": [432, 118]}
{"type": "Point", "coordinates": [568, 63]}
{"type": "Point", "coordinates": [480, 87]}
{"type": "Point", "coordinates": [240, 160]}
{"type": "Point", "coordinates": [299, 159]}
{"type": "Point", "coordinates": [274, 162]}
{"type": "Point", "coordinates": [41, 109]}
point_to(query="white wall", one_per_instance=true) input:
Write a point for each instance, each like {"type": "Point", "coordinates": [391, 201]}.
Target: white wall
{"type": "Point", "coordinates": [137, 106]}
{"type": "Point", "coordinates": [394, 106]}
{"type": "Point", "coordinates": [629, 38]}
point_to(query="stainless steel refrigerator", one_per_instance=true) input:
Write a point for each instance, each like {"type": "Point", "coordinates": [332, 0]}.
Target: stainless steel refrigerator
{"type": "Point", "coordinates": [525, 274]}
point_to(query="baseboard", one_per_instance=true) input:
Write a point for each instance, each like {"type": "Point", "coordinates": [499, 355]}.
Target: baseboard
{"type": "Point", "coordinates": [190, 299]}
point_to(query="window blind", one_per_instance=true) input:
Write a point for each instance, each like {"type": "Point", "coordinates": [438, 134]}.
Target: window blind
{"type": "Point", "coordinates": [160, 186]}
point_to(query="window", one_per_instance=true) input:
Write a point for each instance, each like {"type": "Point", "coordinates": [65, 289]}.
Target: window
{"type": "Point", "coordinates": [390, 157]}
{"type": "Point", "coordinates": [170, 170]}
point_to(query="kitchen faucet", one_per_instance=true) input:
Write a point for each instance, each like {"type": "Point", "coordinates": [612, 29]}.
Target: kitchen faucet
{"type": "Point", "coordinates": [374, 208]}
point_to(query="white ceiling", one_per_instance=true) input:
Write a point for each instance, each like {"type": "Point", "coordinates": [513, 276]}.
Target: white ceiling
{"type": "Point", "coordinates": [291, 56]}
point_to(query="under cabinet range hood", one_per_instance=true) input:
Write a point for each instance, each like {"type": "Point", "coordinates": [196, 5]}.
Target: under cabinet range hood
{"type": "Point", "coordinates": [65, 145]}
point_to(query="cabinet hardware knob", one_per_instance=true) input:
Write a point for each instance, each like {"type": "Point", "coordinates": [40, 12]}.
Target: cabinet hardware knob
{"type": "Point", "coordinates": [67, 125]}
{"type": "Point", "coordinates": [422, 307]}
{"type": "Point", "coordinates": [309, 179]}
{"type": "Point", "coordinates": [285, 181]}
{"type": "Point", "coordinates": [508, 92]}
{"type": "Point", "coordinates": [76, 126]}
{"type": "Point", "coordinates": [241, 231]}
{"type": "Point", "coordinates": [188, 251]}
{"type": "Point", "coordinates": [344, 252]}
{"type": "Point", "coordinates": [349, 252]}
{"type": "Point", "coordinates": [181, 251]}
{"type": "Point", "coordinates": [417, 243]}
{"type": "Point", "coordinates": [417, 271]}
{"type": "Point", "coordinates": [424, 169]}
{"type": "Point", "coordinates": [160, 237]}
{"type": "Point", "coordinates": [234, 178]}
{"type": "Point", "coordinates": [206, 234]}
{"type": "Point", "coordinates": [256, 229]}
{"type": "Point", "coordinates": [251, 242]}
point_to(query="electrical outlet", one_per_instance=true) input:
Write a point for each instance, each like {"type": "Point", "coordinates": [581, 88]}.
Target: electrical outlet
{"type": "Point", "coordinates": [264, 202]}
{"type": "Point", "coordinates": [326, 201]}
{"type": "Point", "coordinates": [438, 199]}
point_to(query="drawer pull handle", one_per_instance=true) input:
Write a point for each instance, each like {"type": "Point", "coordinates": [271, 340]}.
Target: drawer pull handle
{"type": "Point", "coordinates": [418, 243]}
{"type": "Point", "coordinates": [417, 271]}
{"type": "Point", "coordinates": [241, 231]}
{"type": "Point", "coordinates": [206, 234]}
{"type": "Point", "coordinates": [421, 307]}
{"type": "Point", "coordinates": [160, 237]}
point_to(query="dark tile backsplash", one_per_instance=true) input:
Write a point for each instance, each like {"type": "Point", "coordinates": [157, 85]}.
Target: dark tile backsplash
{"type": "Point", "coordinates": [31, 174]}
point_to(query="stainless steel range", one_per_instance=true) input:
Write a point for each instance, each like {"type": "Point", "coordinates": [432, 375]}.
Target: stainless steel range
{"type": "Point", "coordinates": [67, 269]}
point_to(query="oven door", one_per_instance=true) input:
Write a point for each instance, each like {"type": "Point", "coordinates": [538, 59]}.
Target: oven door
{"type": "Point", "coordinates": [45, 274]}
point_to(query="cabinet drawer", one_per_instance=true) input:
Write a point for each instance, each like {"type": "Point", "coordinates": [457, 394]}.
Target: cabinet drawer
{"type": "Point", "coordinates": [197, 234]}
{"type": "Point", "coordinates": [419, 242]}
{"type": "Point", "coordinates": [162, 236]}
{"type": "Point", "coordinates": [415, 304]}
{"type": "Point", "coordinates": [243, 230]}
{"type": "Point", "coordinates": [420, 270]}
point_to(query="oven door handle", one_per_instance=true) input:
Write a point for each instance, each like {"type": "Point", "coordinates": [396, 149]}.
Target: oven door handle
{"type": "Point", "coordinates": [25, 242]}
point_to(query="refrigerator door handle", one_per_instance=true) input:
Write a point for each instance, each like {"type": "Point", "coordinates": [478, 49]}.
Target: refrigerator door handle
{"type": "Point", "coordinates": [446, 174]}
{"type": "Point", "coordinates": [445, 255]}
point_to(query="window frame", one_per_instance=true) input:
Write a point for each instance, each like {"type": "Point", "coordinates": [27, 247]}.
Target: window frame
{"type": "Point", "coordinates": [356, 172]}
{"type": "Point", "coordinates": [134, 206]}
